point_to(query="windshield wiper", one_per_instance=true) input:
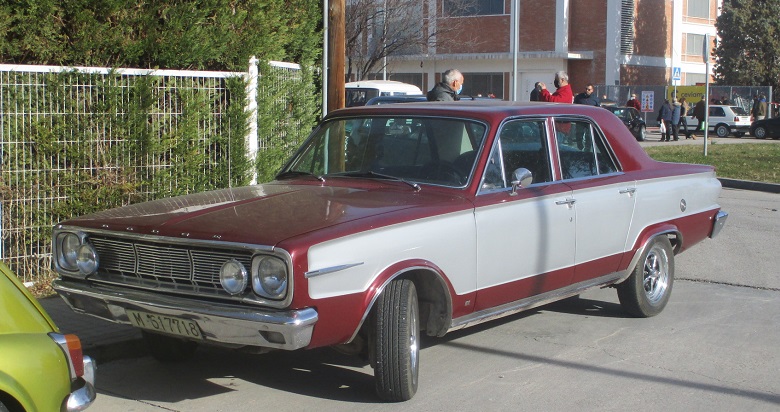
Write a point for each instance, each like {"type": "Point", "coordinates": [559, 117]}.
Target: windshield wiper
{"type": "Point", "coordinates": [374, 175]}
{"type": "Point", "coordinates": [293, 173]}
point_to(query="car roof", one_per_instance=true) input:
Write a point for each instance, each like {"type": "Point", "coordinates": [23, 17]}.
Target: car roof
{"type": "Point", "coordinates": [494, 112]}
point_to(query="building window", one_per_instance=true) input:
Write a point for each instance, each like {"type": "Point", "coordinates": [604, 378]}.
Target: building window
{"type": "Point", "coordinates": [627, 27]}
{"type": "Point", "coordinates": [699, 8]}
{"type": "Point", "coordinates": [461, 8]}
{"type": "Point", "coordinates": [692, 79]}
{"type": "Point", "coordinates": [484, 85]}
{"type": "Point", "coordinates": [694, 44]}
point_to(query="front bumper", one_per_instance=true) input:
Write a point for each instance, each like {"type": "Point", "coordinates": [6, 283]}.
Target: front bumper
{"type": "Point", "coordinates": [84, 393]}
{"type": "Point", "coordinates": [219, 323]}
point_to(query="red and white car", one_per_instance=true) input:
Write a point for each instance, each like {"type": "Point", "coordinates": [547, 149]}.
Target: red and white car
{"type": "Point", "coordinates": [392, 221]}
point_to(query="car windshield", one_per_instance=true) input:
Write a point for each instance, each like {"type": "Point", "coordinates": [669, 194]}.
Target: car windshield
{"type": "Point", "coordinates": [439, 151]}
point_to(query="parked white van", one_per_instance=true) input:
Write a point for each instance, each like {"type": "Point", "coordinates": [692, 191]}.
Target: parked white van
{"type": "Point", "coordinates": [358, 93]}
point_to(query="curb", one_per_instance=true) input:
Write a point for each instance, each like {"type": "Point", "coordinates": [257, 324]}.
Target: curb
{"type": "Point", "coordinates": [750, 185]}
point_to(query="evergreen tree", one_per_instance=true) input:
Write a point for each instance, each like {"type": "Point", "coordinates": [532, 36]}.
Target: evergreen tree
{"type": "Point", "coordinates": [748, 52]}
{"type": "Point", "coordinates": [164, 34]}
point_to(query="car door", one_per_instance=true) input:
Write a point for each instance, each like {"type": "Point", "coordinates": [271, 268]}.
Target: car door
{"type": "Point", "coordinates": [525, 237]}
{"type": "Point", "coordinates": [603, 197]}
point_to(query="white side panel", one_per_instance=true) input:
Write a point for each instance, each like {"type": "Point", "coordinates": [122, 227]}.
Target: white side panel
{"type": "Point", "coordinates": [603, 218]}
{"type": "Point", "coordinates": [447, 241]}
{"type": "Point", "coordinates": [659, 200]}
{"type": "Point", "coordinates": [520, 239]}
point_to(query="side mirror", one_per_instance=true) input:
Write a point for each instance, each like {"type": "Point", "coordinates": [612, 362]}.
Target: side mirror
{"type": "Point", "coordinates": [521, 177]}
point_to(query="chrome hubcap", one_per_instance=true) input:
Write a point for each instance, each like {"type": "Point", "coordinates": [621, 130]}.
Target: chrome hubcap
{"type": "Point", "coordinates": [656, 274]}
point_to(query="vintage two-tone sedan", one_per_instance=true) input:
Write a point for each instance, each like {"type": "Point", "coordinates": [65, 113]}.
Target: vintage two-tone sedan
{"type": "Point", "coordinates": [392, 221]}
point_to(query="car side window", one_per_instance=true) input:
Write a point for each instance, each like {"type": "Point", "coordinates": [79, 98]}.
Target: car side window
{"type": "Point", "coordinates": [717, 112]}
{"type": "Point", "coordinates": [521, 144]}
{"type": "Point", "coordinates": [581, 150]}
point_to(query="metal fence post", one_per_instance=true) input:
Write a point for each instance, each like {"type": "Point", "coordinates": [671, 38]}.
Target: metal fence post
{"type": "Point", "coordinates": [251, 107]}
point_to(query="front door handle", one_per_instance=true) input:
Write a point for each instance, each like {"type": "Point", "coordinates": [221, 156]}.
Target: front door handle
{"type": "Point", "coordinates": [629, 191]}
{"type": "Point", "coordinates": [568, 202]}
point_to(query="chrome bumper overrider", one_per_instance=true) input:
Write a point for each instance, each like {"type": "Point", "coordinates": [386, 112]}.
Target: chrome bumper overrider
{"type": "Point", "coordinates": [717, 225]}
{"type": "Point", "coordinates": [229, 324]}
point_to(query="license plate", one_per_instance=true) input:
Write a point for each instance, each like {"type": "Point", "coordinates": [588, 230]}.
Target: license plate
{"type": "Point", "coordinates": [167, 324]}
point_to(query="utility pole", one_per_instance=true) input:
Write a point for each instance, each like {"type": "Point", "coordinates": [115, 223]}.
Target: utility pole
{"type": "Point", "coordinates": [336, 53]}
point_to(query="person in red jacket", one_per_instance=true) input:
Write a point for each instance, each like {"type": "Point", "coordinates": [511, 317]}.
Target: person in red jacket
{"type": "Point", "coordinates": [563, 94]}
{"type": "Point", "coordinates": [634, 103]}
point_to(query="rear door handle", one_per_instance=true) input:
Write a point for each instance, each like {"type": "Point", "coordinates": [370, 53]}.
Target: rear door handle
{"type": "Point", "coordinates": [568, 202]}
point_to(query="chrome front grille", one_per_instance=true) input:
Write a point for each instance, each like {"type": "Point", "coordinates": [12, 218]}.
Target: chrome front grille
{"type": "Point", "coordinates": [163, 265]}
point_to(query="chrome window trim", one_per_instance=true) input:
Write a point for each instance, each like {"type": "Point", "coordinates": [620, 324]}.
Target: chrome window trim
{"type": "Point", "coordinates": [595, 131]}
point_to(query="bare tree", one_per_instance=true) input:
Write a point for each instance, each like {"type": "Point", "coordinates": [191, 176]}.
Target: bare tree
{"type": "Point", "coordinates": [376, 29]}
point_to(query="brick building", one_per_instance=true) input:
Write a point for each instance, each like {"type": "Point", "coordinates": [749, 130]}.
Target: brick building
{"type": "Point", "coordinates": [609, 42]}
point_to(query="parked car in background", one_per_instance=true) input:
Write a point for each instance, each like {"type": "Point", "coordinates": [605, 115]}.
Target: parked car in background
{"type": "Point", "coordinates": [632, 119]}
{"type": "Point", "coordinates": [359, 93]}
{"type": "Point", "coordinates": [40, 368]}
{"type": "Point", "coordinates": [395, 99]}
{"type": "Point", "coordinates": [766, 128]}
{"type": "Point", "coordinates": [725, 120]}
{"type": "Point", "coordinates": [393, 221]}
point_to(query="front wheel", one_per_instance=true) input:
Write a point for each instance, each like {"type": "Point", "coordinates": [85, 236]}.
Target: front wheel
{"type": "Point", "coordinates": [722, 130]}
{"type": "Point", "coordinates": [647, 290]}
{"type": "Point", "coordinates": [396, 342]}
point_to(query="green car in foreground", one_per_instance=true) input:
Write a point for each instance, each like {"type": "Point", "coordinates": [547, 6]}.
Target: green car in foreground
{"type": "Point", "coordinates": [40, 368]}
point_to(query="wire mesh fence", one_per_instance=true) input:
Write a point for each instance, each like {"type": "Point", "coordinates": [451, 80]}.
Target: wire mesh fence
{"type": "Point", "coordinates": [73, 141]}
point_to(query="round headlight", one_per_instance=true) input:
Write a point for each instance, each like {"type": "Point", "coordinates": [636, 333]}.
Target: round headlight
{"type": "Point", "coordinates": [233, 277]}
{"type": "Point", "coordinates": [269, 277]}
{"type": "Point", "coordinates": [69, 250]}
{"type": "Point", "coordinates": [87, 259]}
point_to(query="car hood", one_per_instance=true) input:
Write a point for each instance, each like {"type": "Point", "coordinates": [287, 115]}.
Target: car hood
{"type": "Point", "coordinates": [265, 214]}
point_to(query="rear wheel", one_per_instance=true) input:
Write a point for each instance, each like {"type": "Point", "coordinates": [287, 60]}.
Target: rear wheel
{"type": "Point", "coordinates": [396, 343]}
{"type": "Point", "coordinates": [760, 132]}
{"type": "Point", "coordinates": [167, 348]}
{"type": "Point", "coordinates": [722, 130]}
{"type": "Point", "coordinates": [646, 292]}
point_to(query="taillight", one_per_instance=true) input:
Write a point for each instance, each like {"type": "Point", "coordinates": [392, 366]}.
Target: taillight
{"type": "Point", "coordinates": [736, 118]}
{"type": "Point", "coordinates": [71, 347]}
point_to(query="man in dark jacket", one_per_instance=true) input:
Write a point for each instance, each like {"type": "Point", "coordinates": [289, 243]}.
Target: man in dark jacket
{"type": "Point", "coordinates": [665, 116]}
{"type": "Point", "coordinates": [536, 92]}
{"type": "Point", "coordinates": [448, 88]}
{"type": "Point", "coordinates": [587, 97]}
{"type": "Point", "coordinates": [698, 114]}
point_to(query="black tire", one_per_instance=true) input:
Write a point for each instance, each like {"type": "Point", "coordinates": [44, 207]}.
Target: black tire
{"type": "Point", "coordinates": [759, 132]}
{"type": "Point", "coordinates": [167, 348]}
{"type": "Point", "coordinates": [646, 292]}
{"type": "Point", "coordinates": [722, 130]}
{"type": "Point", "coordinates": [397, 346]}
{"type": "Point", "coordinates": [642, 134]}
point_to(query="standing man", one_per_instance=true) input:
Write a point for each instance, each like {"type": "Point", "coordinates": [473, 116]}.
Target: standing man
{"type": "Point", "coordinates": [448, 89]}
{"type": "Point", "coordinates": [536, 92]}
{"type": "Point", "coordinates": [563, 94]}
{"type": "Point", "coordinates": [634, 102]}
{"type": "Point", "coordinates": [587, 97]}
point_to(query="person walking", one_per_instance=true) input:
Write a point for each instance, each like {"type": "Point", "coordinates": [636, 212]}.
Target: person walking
{"type": "Point", "coordinates": [448, 89]}
{"type": "Point", "coordinates": [634, 102]}
{"type": "Point", "coordinates": [699, 114]}
{"type": "Point", "coordinates": [762, 106]}
{"type": "Point", "coordinates": [563, 94]}
{"type": "Point", "coordinates": [587, 97]}
{"type": "Point", "coordinates": [684, 108]}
